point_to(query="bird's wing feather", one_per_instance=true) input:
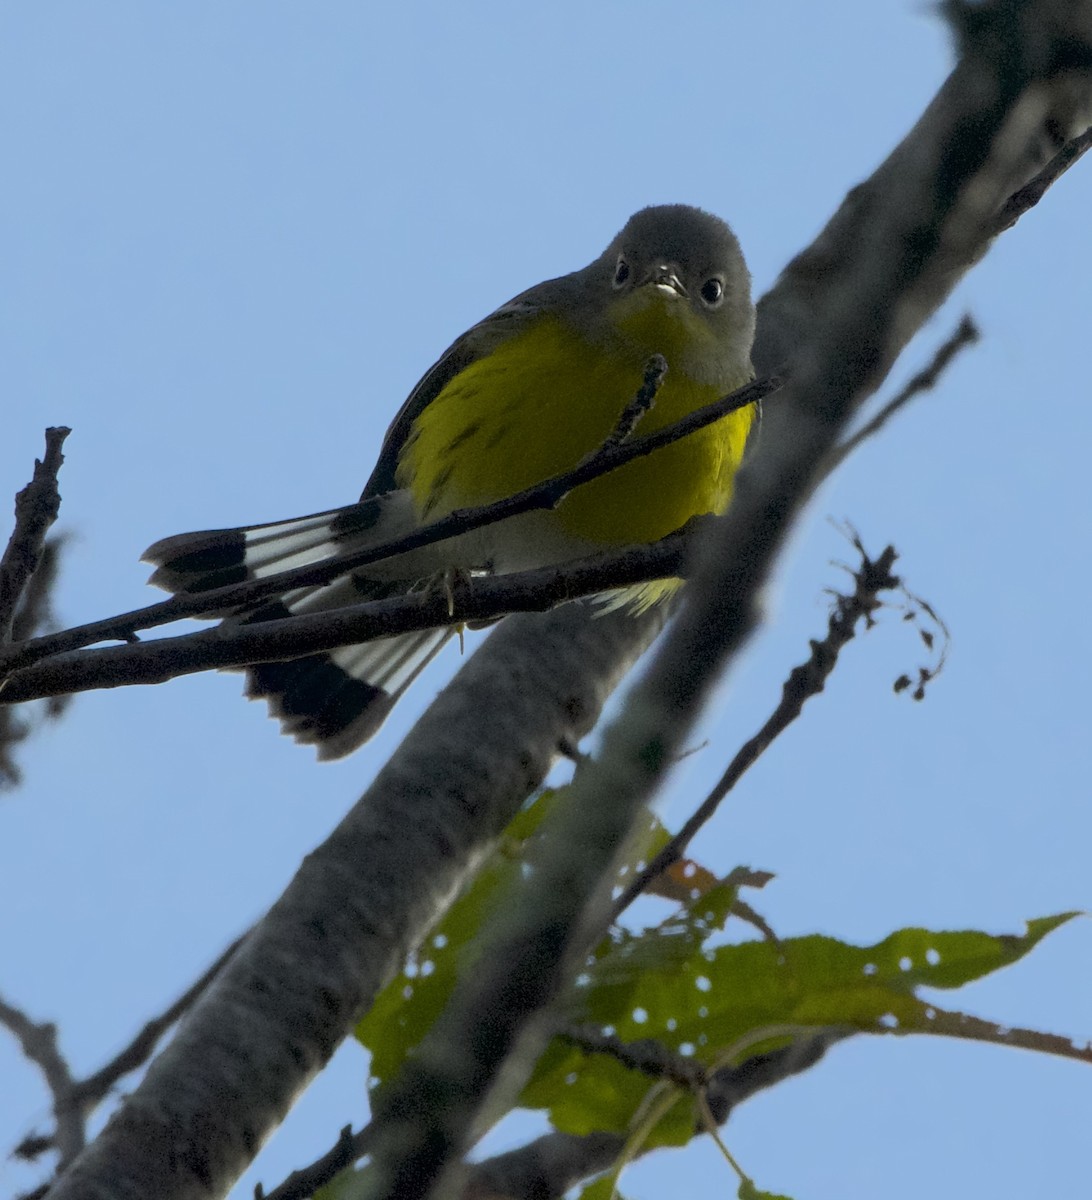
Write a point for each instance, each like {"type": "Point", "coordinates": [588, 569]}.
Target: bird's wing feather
{"type": "Point", "coordinates": [478, 341]}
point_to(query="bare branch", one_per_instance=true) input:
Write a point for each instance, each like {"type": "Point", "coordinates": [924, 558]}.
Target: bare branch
{"type": "Point", "coordinates": [28, 571]}
{"type": "Point", "coordinates": [90, 1091]}
{"type": "Point", "coordinates": [307, 1180]}
{"type": "Point", "coordinates": [1031, 193]}
{"type": "Point", "coordinates": [646, 1055]}
{"type": "Point", "coordinates": [805, 681]}
{"type": "Point", "coordinates": [39, 1043]}
{"type": "Point", "coordinates": [36, 508]}
{"type": "Point", "coordinates": [545, 495]}
{"type": "Point", "coordinates": [74, 1100]}
{"type": "Point", "coordinates": [965, 334]}
{"type": "Point", "coordinates": [477, 599]}
{"type": "Point", "coordinates": [655, 373]}
{"type": "Point", "coordinates": [545, 1169]}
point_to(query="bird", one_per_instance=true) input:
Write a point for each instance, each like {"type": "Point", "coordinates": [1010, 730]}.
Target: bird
{"type": "Point", "coordinates": [521, 397]}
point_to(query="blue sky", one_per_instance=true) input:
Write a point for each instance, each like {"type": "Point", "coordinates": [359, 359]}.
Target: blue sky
{"type": "Point", "coordinates": [231, 239]}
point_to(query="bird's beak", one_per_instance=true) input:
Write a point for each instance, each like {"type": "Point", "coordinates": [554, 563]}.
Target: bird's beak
{"type": "Point", "coordinates": [664, 279]}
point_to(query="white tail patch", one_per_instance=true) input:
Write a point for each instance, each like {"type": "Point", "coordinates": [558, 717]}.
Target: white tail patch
{"type": "Point", "coordinates": [334, 699]}
{"type": "Point", "coordinates": [284, 547]}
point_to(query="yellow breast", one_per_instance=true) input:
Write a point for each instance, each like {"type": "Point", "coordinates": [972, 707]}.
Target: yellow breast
{"type": "Point", "coordinates": [537, 405]}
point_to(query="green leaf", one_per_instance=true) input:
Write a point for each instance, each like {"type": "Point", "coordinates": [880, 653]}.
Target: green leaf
{"type": "Point", "coordinates": [634, 976]}
{"type": "Point", "coordinates": [701, 1003]}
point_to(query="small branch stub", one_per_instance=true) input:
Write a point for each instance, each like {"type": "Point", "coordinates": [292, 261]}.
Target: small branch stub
{"type": "Point", "coordinates": [36, 508]}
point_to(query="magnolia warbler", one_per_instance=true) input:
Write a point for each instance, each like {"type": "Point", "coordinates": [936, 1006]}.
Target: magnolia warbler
{"type": "Point", "coordinates": [521, 397]}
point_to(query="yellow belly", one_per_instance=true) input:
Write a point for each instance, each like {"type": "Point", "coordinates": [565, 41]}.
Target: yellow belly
{"type": "Point", "coordinates": [538, 405]}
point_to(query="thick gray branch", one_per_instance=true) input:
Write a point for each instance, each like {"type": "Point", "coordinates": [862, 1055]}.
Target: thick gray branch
{"type": "Point", "coordinates": [358, 904]}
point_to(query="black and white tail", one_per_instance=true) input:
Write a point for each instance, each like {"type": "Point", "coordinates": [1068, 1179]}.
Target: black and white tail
{"type": "Point", "coordinates": [337, 699]}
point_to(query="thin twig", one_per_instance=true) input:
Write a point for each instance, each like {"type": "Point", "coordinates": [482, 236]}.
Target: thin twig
{"type": "Point", "coordinates": [743, 911]}
{"type": "Point", "coordinates": [36, 508]}
{"type": "Point", "coordinates": [73, 1100]}
{"type": "Point", "coordinates": [28, 571]}
{"type": "Point", "coordinates": [307, 1180]}
{"type": "Point", "coordinates": [708, 1123]}
{"type": "Point", "coordinates": [39, 1044]}
{"type": "Point", "coordinates": [647, 1055]}
{"type": "Point", "coordinates": [965, 334]}
{"type": "Point", "coordinates": [655, 373]}
{"type": "Point", "coordinates": [804, 681]}
{"type": "Point", "coordinates": [95, 1087]}
{"type": "Point", "coordinates": [1032, 192]}
{"type": "Point", "coordinates": [545, 495]}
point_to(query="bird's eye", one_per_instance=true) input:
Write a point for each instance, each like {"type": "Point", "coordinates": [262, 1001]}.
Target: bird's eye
{"type": "Point", "coordinates": [712, 291]}
{"type": "Point", "coordinates": [621, 272]}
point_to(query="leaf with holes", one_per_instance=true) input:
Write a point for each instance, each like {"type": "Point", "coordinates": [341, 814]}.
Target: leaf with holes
{"type": "Point", "coordinates": [585, 1092]}
{"type": "Point", "coordinates": [714, 997]}
{"type": "Point", "coordinates": [723, 1004]}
